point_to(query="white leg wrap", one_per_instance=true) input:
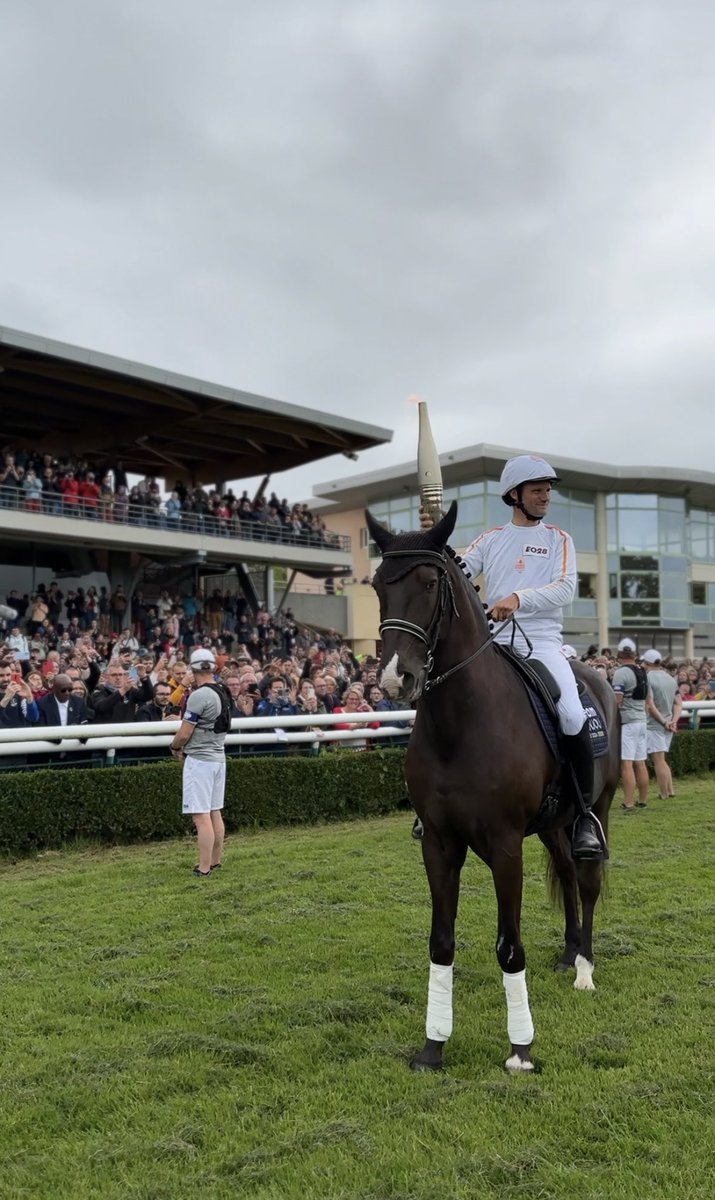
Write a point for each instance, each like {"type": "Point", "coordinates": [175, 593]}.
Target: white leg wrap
{"type": "Point", "coordinates": [439, 1002]}
{"type": "Point", "coordinates": [520, 1026]}
{"type": "Point", "coordinates": [584, 975]}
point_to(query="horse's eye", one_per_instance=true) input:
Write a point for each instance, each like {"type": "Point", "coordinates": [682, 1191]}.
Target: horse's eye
{"type": "Point", "coordinates": [431, 585]}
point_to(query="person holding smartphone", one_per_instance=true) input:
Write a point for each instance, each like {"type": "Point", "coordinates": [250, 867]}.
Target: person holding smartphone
{"type": "Point", "coordinates": [18, 707]}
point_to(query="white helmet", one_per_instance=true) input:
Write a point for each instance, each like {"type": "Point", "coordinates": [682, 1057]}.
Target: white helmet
{"type": "Point", "coordinates": [525, 468]}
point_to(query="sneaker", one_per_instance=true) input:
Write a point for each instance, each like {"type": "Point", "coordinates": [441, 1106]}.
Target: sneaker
{"type": "Point", "coordinates": [203, 874]}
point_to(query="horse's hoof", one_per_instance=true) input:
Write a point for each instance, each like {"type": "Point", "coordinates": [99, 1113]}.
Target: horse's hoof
{"type": "Point", "coordinates": [418, 1063]}
{"type": "Point", "coordinates": [516, 1065]}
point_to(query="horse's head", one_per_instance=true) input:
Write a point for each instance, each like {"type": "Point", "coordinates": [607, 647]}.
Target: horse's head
{"type": "Point", "coordinates": [413, 587]}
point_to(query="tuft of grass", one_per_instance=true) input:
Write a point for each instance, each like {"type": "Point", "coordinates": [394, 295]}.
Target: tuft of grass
{"type": "Point", "coordinates": [249, 1034]}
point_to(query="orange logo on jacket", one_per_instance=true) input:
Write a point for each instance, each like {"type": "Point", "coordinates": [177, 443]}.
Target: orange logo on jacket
{"type": "Point", "coordinates": [520, 564]}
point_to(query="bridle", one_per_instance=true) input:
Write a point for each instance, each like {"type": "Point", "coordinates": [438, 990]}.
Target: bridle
{"type": "Point", "coordinates": [445, 596]}
{"type": "Point", "coordinates": [445, 599]}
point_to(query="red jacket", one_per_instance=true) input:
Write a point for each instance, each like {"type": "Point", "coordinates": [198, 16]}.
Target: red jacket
{"type": "Point", "coordinates": [90, 493]}
{"type": "Point", "coordinates": [70, 490]}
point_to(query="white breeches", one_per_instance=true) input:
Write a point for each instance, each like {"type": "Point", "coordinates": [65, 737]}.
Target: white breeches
{"type": "Point", "coordinates": [571, 714]}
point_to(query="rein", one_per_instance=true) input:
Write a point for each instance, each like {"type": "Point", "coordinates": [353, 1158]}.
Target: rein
{"type": "Point", "coordinates": [446, 595]}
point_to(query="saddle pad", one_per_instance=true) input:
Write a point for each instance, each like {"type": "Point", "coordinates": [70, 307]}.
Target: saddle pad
{"type": "Point", "coordinates": [596, 728]}
{"type": "Point", "coordinates": [598, 731]}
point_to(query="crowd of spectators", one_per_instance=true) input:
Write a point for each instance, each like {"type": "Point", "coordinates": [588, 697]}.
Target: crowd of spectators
{"type": "Point", "coordinates": [96, 656]}
{"type": "Point", "coordinates": [80, 657]}
{"type": "Point", "coordinates": [75, 487]}
{"type": "Point", "coordinates": [695, 677]}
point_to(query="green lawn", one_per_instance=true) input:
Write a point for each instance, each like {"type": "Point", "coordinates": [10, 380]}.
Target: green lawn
{"type": "Point", "coordinates": [247, 1035]}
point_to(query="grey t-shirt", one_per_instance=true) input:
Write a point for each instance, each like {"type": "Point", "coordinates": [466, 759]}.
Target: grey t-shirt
{"type": "Point", "coordinates": [663, 688]}
{"type": "Point", "coordinates": [203, 709]}
{"type": "Point", "coordinates": [625, 682]}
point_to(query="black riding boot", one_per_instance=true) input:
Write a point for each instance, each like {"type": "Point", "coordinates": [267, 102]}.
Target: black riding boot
{"type": "Point", "coordinates": [588, 839]}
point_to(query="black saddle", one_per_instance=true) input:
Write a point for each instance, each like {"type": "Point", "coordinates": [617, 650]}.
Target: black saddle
{"type": "Point", "coordinates": [536, 676]}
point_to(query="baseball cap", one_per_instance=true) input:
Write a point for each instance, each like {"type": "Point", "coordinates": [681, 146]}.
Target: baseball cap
{"type": "Point", "coordinates": [626, 644]}
{"type": "Point", "coordinates": [652, 656]}
{"type": "Point", "coordinates": [202, 658]}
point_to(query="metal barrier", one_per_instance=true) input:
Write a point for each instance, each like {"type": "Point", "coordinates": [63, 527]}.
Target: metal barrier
{"type": "Point", "coordinates": [110, 511]}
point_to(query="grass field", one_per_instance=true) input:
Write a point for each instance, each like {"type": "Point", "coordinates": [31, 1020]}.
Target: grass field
{"type": "Point", "coordinates": [247, 1035]}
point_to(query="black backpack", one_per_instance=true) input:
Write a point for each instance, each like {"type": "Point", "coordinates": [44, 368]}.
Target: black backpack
{"type": "Point", "coordinates": [222, 724]}
{"type": "Point", "coordinates": [640, 691]}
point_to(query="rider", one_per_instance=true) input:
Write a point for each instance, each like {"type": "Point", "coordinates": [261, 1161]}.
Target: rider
{"type": "Point", "coordinates": [530, 574]}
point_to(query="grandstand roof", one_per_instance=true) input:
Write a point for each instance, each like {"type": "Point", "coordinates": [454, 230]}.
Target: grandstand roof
{"type": "Point", "coordinates": [486, 461]}
{"type": "Point", "coordinates": [64, 399]}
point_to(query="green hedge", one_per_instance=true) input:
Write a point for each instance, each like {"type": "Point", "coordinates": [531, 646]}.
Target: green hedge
{"type": "Point", "coordinates": [692, 751]}
{"type": "Point", "coordinates": [46, 808]}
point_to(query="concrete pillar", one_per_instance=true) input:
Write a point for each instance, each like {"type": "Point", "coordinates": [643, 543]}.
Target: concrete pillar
{"type": "Point", "coordinates": [690, 643]}
{"type": "Point", "coordinates": [602, 589]}
{"type": "Point", "coordinates": [270, 591]}
{"type": "Point", "coordinates": [286, 591]}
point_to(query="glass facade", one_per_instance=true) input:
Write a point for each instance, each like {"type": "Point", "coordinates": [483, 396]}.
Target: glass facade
{"type": "Point", "coordinates": [642, 524]}
{"type": "Point", "coordinates": [702, 534]}
{"type": "Point", "coordinates": [651, 541]}
{"type": "Point", "coordinates": [648, 560]}
{"type": "Point", "coordinates": [481, 507]}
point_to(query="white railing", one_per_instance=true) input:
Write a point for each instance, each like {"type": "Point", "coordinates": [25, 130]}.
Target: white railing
{"type": "Point", "coordinates": [245, 731]}
{"type": "Point", "coordinates": [147, 734]}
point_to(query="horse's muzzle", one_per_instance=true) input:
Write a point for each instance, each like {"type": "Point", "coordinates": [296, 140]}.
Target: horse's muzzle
{"type": "Point", "coordinates": [401, 684]}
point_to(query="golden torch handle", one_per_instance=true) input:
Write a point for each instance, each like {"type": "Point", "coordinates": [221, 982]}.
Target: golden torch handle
{"type": "Point", "coordinates": [429, 472]}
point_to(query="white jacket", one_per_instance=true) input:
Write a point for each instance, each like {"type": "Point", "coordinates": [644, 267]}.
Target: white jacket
{"type": "Point", "coordinates": [536, 562]}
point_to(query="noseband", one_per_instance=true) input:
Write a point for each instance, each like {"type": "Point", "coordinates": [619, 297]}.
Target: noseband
{"type": "Point", "coordinates": [445, 599]}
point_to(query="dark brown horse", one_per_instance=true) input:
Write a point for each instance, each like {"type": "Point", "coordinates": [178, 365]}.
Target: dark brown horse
{"type": "Point", "coordinates": [477, 769]}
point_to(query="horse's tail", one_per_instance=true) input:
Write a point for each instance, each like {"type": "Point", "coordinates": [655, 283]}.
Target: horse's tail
{"type": "Point", "coordinates": [553, 883]}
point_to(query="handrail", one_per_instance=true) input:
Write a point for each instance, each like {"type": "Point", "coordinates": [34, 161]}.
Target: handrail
{"type": "Point", "coordinates": [107, 512]}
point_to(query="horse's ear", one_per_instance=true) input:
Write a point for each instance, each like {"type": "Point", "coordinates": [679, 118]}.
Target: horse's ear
{"type": "Point", "coordinates": [443, 530]}
{"type": "Point", "coordinates": [378, 533]}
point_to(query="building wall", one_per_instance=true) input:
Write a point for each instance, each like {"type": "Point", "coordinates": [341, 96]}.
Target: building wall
{"type": "Point", "coordinates": [320, 612]}
{"type": "Point", "coordinates": [637, 564]}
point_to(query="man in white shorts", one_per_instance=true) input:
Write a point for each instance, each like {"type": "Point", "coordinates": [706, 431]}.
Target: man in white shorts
{"type": "Point", "coordinates": [664, 705]}
{"type": "Point", "coordinates": [631, 687]}
{"type": "Point", "coordinates": [199, 743]}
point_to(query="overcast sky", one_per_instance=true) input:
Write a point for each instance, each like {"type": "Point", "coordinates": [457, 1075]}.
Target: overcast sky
{"type": "Point", "coordinates": [505, 206]}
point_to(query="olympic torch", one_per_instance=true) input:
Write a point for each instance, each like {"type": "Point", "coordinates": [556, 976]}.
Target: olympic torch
{"type": "Point", "coordinates": [429, 473]}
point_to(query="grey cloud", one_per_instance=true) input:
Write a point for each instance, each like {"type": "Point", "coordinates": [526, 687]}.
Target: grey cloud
{"type": "Point", "coordinates": [505, 206]}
